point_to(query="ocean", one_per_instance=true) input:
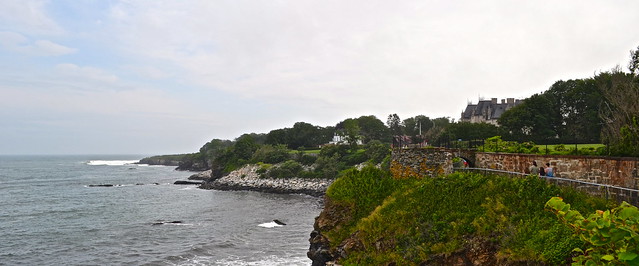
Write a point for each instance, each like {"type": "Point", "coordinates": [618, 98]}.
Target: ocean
{"type": "Point", "coordinates": [52, 213]}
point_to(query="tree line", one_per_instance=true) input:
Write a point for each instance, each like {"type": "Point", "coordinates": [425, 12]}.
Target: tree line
{"type": "Point", "coordinates": [599, 109]}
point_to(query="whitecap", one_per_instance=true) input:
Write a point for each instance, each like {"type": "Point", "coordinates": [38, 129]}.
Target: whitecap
{"type": "Point", "coordinates": [111, 162]}
{"type": "Point", "coordinates": [269, 225]}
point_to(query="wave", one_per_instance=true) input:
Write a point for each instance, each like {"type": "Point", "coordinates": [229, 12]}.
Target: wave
{"type": "Point", "coordinates": [270, 225]}
{"type": "Point", "coordinates": [111, 162]}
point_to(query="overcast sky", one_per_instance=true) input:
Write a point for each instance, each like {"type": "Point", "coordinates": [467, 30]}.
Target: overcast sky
{"type": "Point", "coordinates": [160, 77]}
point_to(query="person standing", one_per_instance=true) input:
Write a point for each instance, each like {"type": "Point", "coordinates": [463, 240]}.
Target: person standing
{"type": "Point", "coordinates": [534, 169]}
{"type": "Point", "coordinates": [549, 171]}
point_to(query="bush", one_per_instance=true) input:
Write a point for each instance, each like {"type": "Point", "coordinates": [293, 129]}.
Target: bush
{"type": "Point", "coordinates": [329, 166]}
{"type": "Point", "coordinates": [377, 151]}
{"type": "Point", "coordinates": [286, 169]}
{"type": "Point", "coordinates": [271, 154]}
{"type": "Point", "coordinates": [305, 159]}
{"type": "Point", "coordinates": [355, 158]}
{"type": "Point", "coordinates": [611, 237]}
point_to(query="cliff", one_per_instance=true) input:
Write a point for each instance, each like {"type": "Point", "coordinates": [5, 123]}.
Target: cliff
{"type": "Point", "coordinates": [168, 160]}
{"type": "Point", "coordinates": [370, 218]}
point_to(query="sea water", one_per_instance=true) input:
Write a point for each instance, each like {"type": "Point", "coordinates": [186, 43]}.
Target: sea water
{"type": "Point", "coordinates": [52, 213]}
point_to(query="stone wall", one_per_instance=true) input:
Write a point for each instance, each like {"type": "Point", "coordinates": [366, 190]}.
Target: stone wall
{"type": "Point", "coordinates": [620, 172]}
{"type": "Point", "coordinates": [613, 171]}
{"type": "Point", "coordinates": [420, 162]}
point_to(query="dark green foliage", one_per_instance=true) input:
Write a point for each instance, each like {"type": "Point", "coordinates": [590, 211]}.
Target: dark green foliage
{"type": "Point", "coordinates": [301, 135]}
{"type": "Point", "coordinates": [416, 219]}
{"type": "Point", "coordinates": [271, 154]}
{"type": "Point", "coordinates": [244, 147]}
{"type": "Point", "coordinates": [331, 150]}
{"type": "Point", "coordinates": [535, 119]}
{"type": "Point", "coordinates": [305, 159]}
{"type": "Point", "coordinates": [287, 169]}
{"type": "Point", "coordinates": [472, 131]}
{"type": "Point", "coordinates": [376, 151]}
{"type": "Point", "coordinates": [395, 125]}
{"type": "Point", "coordinates": [356, 157]}
{"type": "Point", "coordinates": [372, 128]}
{"type": "Point", "coordinates": [328, 166]}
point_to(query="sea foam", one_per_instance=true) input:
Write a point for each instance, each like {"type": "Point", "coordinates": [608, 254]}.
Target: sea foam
{"type": "Point", "coordinates": [111, 162]}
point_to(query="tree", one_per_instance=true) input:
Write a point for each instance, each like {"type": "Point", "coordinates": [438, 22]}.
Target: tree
{"type": "Point", "coordinates": [633, 65]}
{"type": "Point", "coordinates": [619, 111]}
{"type": "Point", "coordinates": [395, 125]}
{"type": "Point", "coordinates": [533, 119]}
{"type": "Point", "coordinates": [472, 131]}
{"type": "Point", "coordinates": [244, 147]}
{"type": "Point", "coordinates": [301, 135]}
{"type": "Point", "coordinates": [351, 133]}
{"type": "Point", "coordinates": [372, 128]}
{"type": "Point", "coordinates": [576, 104]}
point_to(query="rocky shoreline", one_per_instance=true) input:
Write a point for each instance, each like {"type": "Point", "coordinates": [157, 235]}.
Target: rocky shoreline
{"type": "Point", "coordinates": [247, 178]}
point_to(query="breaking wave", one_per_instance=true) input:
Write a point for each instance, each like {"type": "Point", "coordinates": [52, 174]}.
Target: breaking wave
{"type": "Point", "coordinates": [111, 162]}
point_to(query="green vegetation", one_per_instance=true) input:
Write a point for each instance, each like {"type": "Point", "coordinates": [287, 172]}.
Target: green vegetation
{"type": "Point", "coordinates": [611, 237]}
{"type": "Point", "coordinates": [600, 109]}
{"type": "Point", "coordinates": [411, 221]}
{"type": "Point", "coordinates": [583, 149]}
{"type": "Point", "coordinates": [496, 144]}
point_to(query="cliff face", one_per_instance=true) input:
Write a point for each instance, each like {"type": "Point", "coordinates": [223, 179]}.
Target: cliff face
{"type": "Point", "coordinates": [158, 160]}
{"type": "Point", "coordinates": [332, 216]}
{"type": "Point", "coordinates": [476, 250]}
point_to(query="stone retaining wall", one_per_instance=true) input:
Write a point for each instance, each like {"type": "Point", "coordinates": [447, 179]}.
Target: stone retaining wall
{"type": "Point", "coordinates": [421, 162]}
{"type": "Point", "coordinates": [613, 171]}
{"type": "Point", "coordinates": [620, 172]}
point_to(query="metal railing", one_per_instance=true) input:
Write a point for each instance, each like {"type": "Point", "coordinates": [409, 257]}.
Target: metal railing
{"type": "Point", "coordinates": [605, 191]}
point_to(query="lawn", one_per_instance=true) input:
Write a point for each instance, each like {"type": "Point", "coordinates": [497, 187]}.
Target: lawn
{"type": "Point", "coordinates": [565, 148]}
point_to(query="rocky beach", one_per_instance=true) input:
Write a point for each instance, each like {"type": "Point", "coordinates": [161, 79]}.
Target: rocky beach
{"type": "Point", "coordinates": [247, 178]}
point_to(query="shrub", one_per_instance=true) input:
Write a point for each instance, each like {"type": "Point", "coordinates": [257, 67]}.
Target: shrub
{"type": "Point", "coordinates": [271, 154]}
{"type": "Point", "coordinates": [286, 169]}
{"type": "Point", "coordinates": [306, 159]}
{"type": "Point", "coordinates": [611, 236]}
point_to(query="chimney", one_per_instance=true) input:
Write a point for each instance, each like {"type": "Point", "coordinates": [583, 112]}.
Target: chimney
{"type": "Point", "coordinates": [493, 100]}
{"type": "Point", "coordinates": [503, 101]}
{"type": "Point", "coordinates": [511, 101]}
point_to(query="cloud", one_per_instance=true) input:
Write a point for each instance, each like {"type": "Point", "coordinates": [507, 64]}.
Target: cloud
{"type": "Point", "coordinates": [419, 57]}
{"type": "Point", "coordinates": [72, 71]}
{"type": "Point", "coordinates": [18, 43]}
{"type": "Point", "coordinates": [27, 16]}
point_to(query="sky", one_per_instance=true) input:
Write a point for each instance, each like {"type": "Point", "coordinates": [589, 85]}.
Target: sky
{"type": "Point", "coordinates": [164, 77]}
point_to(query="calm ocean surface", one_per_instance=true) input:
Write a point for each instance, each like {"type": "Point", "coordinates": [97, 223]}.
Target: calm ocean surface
{"type": "Point", "coordinates": [49, 215]}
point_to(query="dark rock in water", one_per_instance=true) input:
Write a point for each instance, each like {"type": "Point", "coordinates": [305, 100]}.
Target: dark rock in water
{"type": "Point", "coordinates": [156, 183]}
{"type": "Point", "coordinates": [139, 184]}
{"type": "Point", "coordinates": [279, 222]}
{"type": "Point", "coordinates": [180, 182]}
{"type": "Point", "coordinates": [171, 222]}
{"type": "Point", "coordinates": [201, 175]}
{"type": "Point", "coordinates": [101, 185]}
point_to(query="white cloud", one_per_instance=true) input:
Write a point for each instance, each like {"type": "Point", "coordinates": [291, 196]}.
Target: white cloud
{"type": "Point", "coordinates": [72, 71]}
{"type": "Point", "coordinates": [428, 57]}
{"type": "Point", "coordinates": [27, 16]}
{"type": "Point", "coordinates": [18, 43]}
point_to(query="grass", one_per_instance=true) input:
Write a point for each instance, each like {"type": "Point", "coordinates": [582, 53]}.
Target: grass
{"type": "Point", "coordinates": [317, 151]}
{"type": "Point", "coordinates": [569, 148]}
{"type": "Point", "coordinates": [408, 221]}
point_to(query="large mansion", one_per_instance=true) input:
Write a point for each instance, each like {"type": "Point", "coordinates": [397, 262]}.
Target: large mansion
{"type": "Point", "coordinates": [487, 111]}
